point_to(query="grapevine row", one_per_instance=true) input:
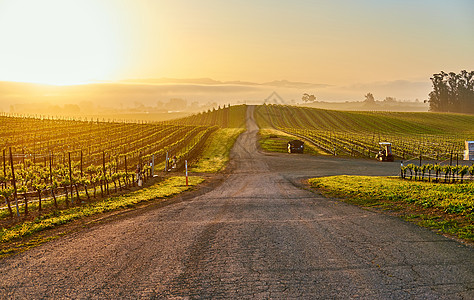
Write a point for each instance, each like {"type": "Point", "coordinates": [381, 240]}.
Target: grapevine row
{"type": "Point", "coordinates": [432, 136]}
{"type": "Point", "coordinates": [68, 159]}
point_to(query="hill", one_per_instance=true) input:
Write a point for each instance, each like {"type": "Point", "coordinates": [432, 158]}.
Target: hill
{"type": "Point", "coordinates": [357, 133]}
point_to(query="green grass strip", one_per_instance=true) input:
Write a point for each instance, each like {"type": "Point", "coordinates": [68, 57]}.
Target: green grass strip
{"type": "Point", "coordinates": [454, 202]}
{"type": "Point", "coordinates": [273, 140]}
{"type": "Point", "coordinates": [216, 151]}
{"type": "Point", "coordinates": [166, 188]}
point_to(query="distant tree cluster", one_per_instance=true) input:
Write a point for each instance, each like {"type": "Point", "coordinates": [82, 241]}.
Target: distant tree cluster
{"type": "Point", "coordinates": [390, 99]}
{"type": "Point", "coordinates": [452, 92]}
{"type": "Point", "coordinates": [308, 98]}
{"type": "Point", "coordinates": [369, 98]}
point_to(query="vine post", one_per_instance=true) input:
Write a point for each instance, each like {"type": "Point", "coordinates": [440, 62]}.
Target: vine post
{"type": "Point", "coordinates": [50, 167]}
{"type": "Point", "coordinates": [15, 195]}
{"type": "Point", "coordinates": [186, 167]}
{"type": "Point", "coordinates": [4, 164]}
{"type": "Point", "coordinates": [104, 172]}
{"type": "Point", "coordinates": [70, 176]}
{"type": "Point", "coordinates": [81, 163]}
{"type": "Point", "coordinates": [153, 165]}
{"type": "Point", "coordinates": [126, 175]}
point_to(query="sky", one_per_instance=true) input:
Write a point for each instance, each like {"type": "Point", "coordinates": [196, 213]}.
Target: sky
{"type": "Point", "coordinates": [341, 43]}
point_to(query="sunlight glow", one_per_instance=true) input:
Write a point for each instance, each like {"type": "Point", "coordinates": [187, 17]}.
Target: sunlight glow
{"type": "Point", "coordinates": [341, 43]}
{"type": "Point", "coordinates": [57, 41]}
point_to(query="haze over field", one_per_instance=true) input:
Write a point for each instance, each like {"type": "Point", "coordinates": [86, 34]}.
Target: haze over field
{"type": "Point", "coordinates": [129, 54]}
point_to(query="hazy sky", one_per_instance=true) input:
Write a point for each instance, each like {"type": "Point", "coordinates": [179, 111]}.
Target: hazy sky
{"type": "Point", "coordinates": [339, 42]}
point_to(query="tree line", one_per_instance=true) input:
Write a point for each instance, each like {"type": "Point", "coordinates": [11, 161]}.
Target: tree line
{"type": "Point", "coordinates": [452, 92]}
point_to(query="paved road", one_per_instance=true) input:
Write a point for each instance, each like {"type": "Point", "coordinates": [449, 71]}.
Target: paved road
{"type": "Point", "coordinates": [255, 236]}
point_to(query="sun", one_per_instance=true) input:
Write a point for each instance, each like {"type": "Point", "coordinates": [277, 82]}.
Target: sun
{"type": "Point", "coordinates": [57, 41]}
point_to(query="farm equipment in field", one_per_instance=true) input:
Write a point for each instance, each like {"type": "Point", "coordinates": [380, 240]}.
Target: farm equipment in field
{"type": "Point", "coordinates": [295, 146]}
{"type": "Point", "coordinates": [469, 151]}
{"type": "Point", "coordinates": [385, 152]}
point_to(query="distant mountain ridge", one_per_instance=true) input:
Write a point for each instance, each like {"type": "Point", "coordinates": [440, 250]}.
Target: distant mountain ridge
{"type": "Point", "coordinates": [290, 84]}
{"type": "Point", "coordinates": [209, 81]}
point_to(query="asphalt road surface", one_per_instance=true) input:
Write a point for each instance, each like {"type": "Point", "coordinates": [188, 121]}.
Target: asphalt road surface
{"type": "Point", "coordinates": [257, 235]}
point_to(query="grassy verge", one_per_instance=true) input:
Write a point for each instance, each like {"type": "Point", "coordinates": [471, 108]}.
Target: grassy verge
{"type": "Point", "coordinates": [163, 189]}
{"type": "Point", "coordinates": [447, 208]}
{"type": "Point", "coordinates": [273, 140]}
{"type": "Point", "coordinates": [216, 152]}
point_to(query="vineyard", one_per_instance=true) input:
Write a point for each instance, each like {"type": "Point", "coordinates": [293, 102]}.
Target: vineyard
{"type": "Point", "coordinates": [431, 136]}
{"type": "Point", "coordinates": [225, 117]}
{"type": "Point", "coordinates": [59, 163]}
{"type": "Point", "coordinates": [436, 172]}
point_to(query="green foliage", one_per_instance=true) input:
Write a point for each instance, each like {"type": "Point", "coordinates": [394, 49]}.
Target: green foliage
{"type": "Point", "coordinates": [273, 140]}
{"type": "Point", "coordinates": [457, 200]}
{"type": "Point", "coordinates": [51, 153]}
{"type": "Point", "coordinates": [462, 171]}
{"type": "Point", "coordinates": [164, 189]}
{"type": "Point", "coordinates": [452, 92]}
{"type": "Point", "coordinates": [216, 150]}
{"type": "Point", "coordinates": [237, 116]}
{"type": "Point", "coordinates": [433, 135]}
{"type": "Point", "coordinates": [277, 141]}
{"type": "Point", "coordinates": [224, 117]}
{"type": "Point", "coordinates": [365, 121]}
{"type": "Point", "coordinates": [450, 172]}
{"type": "Point", "coordinates": [444, 197]}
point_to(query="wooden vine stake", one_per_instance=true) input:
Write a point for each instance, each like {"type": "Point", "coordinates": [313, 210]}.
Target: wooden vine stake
{"type": "Point", "coordinates": [4, 164]}
{"type": "Point", "coordinates": [70, 176]}
{"type": "Point", "coordinates": [186, 167]}
{"type": "Point", "coordinates": [51, 179]}
{"type": "Point", "coordinates": [15, 196]}
{"type": "Point", "coordinates": [81, 163]}
{"type": "Point", "coordinates": [105, 173]}
{"type": "Point", "coordinates": [126, 175]}
{"type": "Point", "coordinates": [50, 168]}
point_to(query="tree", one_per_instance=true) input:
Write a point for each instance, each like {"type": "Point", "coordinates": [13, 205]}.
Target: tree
{"type": "Point", "coordinates": [308, 98]}
{"type": "Point", "coordinates": [369, 98]}
{"type": "Point", "coordinates": [452, 92]}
